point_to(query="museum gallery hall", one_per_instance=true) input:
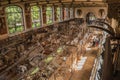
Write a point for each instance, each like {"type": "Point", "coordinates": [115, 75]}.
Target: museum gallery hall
{"type": "Point", "coordinates": [59, 39]}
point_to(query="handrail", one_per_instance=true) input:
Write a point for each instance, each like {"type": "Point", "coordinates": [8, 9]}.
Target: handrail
{"type": "Point", "coordinates": [98, 27]}
{"type": "Point", "coordinates": [109, 27]}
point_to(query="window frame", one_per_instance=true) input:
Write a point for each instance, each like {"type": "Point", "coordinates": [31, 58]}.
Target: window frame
{"type": "Point", "coordinates": [22, 19]}
{"type": "Point", "coordinates": [40, 16]}
{"type": "Point", "coordinates": [51, 14]}
{"type": "Point", "coordinates": [66, 13]}
{"type": "Point", "coordinates": [58, 20]}
{"type": "Point", "coordinates": [71, 13]}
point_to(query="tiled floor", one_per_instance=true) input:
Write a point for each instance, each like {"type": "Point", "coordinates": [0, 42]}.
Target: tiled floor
{"type": "Point", "coordinates": [84, 72]}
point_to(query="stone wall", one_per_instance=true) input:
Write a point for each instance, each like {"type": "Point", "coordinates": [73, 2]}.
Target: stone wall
{"type": "Point", "coordinates": [94, 10]}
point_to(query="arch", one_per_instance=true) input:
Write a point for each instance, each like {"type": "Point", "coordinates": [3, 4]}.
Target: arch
{"type": "Point", "coordinates": [66, 13]}
{"type": "Point", "coordinates": [108, 26]}
{"type": "Point", "coordinates": [15, 20]}
{"type": "Point", "coordinates": [101, 13]}
{"type": "Point", "coordinates": [36, 16]}
{"type": "Point", "coordinates": [101, 28]}
{"type": "Point", "coordinates": [49, 15]}
{"type": "Point", "coordinates": [58, 14]}
{"type": "Point", "coordinates": [79, 12]}
{"type": "Point", "coordinates": [90, 17]}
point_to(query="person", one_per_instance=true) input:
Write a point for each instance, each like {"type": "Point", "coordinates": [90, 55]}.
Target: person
{"type": "Point", "coordinates": [93, 42]}
{"type": "Point", "coordinates": [97, 41]}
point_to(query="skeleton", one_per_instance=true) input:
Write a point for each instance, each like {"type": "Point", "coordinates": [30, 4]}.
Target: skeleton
{"type": "Point", "coordinates": [22, 69]}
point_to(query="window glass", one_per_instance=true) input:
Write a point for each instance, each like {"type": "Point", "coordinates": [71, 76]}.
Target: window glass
{"type": "Point", "coordinates": [36, 16]}
{"type": "Point", "coordinates": [66, 13]}
{"type": "Point", "coordinates": [49, 15]}
{"type": "Point", "coordinates": [58, 14]}
{"type": "Point", "coordinates": [14, 19]}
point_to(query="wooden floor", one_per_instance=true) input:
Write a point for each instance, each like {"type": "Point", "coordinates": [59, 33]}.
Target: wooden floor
{"type": "Point", "coordinates": [85, 72]}
{"type": "Point", "coordinates": [117, 76]}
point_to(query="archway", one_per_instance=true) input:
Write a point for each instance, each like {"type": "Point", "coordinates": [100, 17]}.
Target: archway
{"type": "Point", "coordinates": [90, 17]}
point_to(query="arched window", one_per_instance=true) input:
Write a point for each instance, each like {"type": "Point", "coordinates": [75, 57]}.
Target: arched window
{"type": "Point", "coordinates": [79, 12]}
{"type": "Point", "coordinates": [58, 14]}
{"type": "Point", "coordinates": [102, 13]}
{"type": "Point", "coordinates": [71, 12]}
{"type": "Point", "coordinates": [49, 15]}
{"type": "Point", "coordinates": [14, 19]}
{"type": "Point", "coordinates": [36, 16]}
{"type": "Point", "coordinates": [66, 15]}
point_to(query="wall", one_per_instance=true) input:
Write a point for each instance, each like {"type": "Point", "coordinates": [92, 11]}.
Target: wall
{"type": "Point", "coordinates": [3, 29]}
{"type": "Point", "coordinates": [94, 10]}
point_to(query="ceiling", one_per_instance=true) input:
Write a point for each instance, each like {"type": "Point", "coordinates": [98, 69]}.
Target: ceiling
{"type": "Point", "coordinates": [113, 1]}
{"type": "Point", "coordinates": [63, 2]}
